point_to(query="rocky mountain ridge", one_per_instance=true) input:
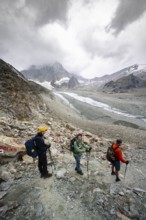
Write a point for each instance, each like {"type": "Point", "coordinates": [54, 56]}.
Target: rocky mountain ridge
{"type": "Point", "coordinates": [19, 98]}
{"type": "Point", "coordinates": [55, 74]}
{"type": "Point", "coordinates": [46, 73]}
{"type": "Point", "coordinates": [136, 70]}
{"type": "Point", "coordinates": [124, 84]}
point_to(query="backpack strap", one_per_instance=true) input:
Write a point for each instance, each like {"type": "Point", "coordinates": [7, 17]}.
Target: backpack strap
{"type": "Point", "coordinates": [116, 148]}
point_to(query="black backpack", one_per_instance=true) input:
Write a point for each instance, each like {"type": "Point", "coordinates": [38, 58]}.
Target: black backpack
{"type": "Point", "coordinates": [110, 155]}
{"type": "Point", "coordinates": [72, 144]}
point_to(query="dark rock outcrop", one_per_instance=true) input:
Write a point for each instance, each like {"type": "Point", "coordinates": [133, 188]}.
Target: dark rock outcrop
{"type": "Point", "coordinates": [124, 84]}
{"type": "Point", "coordinates": [73, 82]}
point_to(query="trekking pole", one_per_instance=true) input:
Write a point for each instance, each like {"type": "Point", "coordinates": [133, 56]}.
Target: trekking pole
{"type": "Point", "coordinates": [87, 155]}
{"type": "Point", "coordinates": [125, 172]}
{"type": "Point", "coordinates": [51, 159]}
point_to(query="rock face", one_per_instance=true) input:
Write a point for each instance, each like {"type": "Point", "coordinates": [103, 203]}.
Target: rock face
{"type": "Point", "coordinates": [46, 73]}
{"type": "Point", "coordinates": [54, 74]}
{"type": "Point", "coordinates": [73, 82]}
{"type": "Point", "coordinates": [19, 98]}
{"type": "Point", "coordinates": [124, 84]}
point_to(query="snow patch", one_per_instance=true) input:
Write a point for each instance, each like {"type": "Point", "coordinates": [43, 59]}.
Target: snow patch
{"type": "Point", "coordinates": [66, 101]}
{"type": "Point", "coordinates": [61, 81]}
{"type": "Point", "coordinates": [45, 84]}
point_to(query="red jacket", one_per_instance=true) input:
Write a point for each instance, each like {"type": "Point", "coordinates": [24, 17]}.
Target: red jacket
{"type": "Point", "coordinates": [118, 153]}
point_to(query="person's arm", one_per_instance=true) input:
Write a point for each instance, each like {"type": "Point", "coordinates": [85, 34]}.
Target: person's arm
{"type": "Point", "coordinates": [40, 144]}
{"type": "Point", "coordinates": [77, 149]}
{"type": "Point", "coordinates": [85, 146]}
{"type": "Point", "coordinates": [120, 156]}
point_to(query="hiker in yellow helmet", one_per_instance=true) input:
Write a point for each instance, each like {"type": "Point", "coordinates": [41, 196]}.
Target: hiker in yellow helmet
{"type": "Point", "coordinates": [42, 129]}
{"type": "Point", "coordinates": [42, 149]}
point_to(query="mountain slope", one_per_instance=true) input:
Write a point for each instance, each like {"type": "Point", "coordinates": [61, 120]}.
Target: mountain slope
{"type": "Point", "coordinates": [19, 98]}
{"type": "Point", "coordinates": [116, 75]}
{"type": "Point", "coordinates": [46, 73]}
{"type": "Point", "coordinates": [124, 84]}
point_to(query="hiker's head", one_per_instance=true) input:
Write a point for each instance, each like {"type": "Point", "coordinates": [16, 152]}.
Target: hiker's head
{"type": "Point", "coordinates": [79, 137]}
{"type": "Point", "coordinates": [119, 142]}
{"type": "Point", "coordinates": [42, 130]}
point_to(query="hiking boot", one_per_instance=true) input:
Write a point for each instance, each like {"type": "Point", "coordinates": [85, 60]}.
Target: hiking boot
{"type": "Point", "coordinates": [47, 175]}
{"type": "Point", "coordinates": [117, 179]}
{"type": "Point", "coordinates": [113, 173]}
{"type": "Point", "coordinates": [80, 172]}
{"type": "Point", "coordinates": [42, 175]}
{"type": "Point", "coordinates": [76, 169]}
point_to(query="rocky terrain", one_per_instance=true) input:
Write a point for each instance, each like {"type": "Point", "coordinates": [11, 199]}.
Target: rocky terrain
{"type": "Point", "coordinates": [19, 98]}
{"type": "Point", "coordinates": [95, 195]}
{"type": "Point", "coordinates": [124, 84]}
{"type": "Point", "coordinates": [66, 195]}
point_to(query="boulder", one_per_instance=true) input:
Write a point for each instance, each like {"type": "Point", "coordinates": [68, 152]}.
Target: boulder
{"type": "Point", "coordinates": [122, 217]}
{"type": "Point", "coordinates": [61, 174]}
{"type": "Point", "coordinates": [2, 194]}
{"type": "Point", "coordinates": [70, 127]}
{"type": "Point", "coordinates": [121, 194]}
{"type": "Point", "coordinates": [12, 169]}
{"type": "Point", "coordinates": [27, 159]}
{"type": "Point", "coordinates": [10, 146]}
{"type": "Point", "coordinates": [86, 140]}
{"type": "Point", "coordinates": [4, 175]}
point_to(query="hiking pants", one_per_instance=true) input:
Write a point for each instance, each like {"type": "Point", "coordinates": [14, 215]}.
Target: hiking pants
{"type": "Point", "coordinates": [117, 165]}
{"type": "Point", "coordinates": [42, 164]}
{"type": "Point", "coordinates": [77, 158]}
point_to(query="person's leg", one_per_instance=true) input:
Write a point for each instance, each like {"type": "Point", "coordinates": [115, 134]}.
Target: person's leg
{"type": "Point", "coordinates": [78, 168]}
{"type": "Point", "coordinates": [77, 158]}
{"type": "Point", "coordinates": [45, 170]}
{"type": "Point", "coordinates": [117, 166]}
{"type": "Point", "coordinates": [113, 168]}
{"type": "Point", "coordinates": [40, 164]}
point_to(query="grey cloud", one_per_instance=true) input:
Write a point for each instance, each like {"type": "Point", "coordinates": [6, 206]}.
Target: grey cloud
{"type": "Point", "coordinates": [127, 12]}
{"type": "Point", "coordinates": [19, 23]}
{"type": "Point", "coordinates": [48, 10]}
{"type": "Point", "coordinates": [105, 49]}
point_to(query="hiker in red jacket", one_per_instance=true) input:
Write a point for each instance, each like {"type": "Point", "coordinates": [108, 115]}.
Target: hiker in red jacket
{"type": "Point", "coordinates": [118, 158]}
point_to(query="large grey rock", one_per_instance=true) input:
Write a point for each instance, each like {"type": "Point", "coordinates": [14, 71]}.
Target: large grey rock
{"type": "Point", "coordinates": [60, 174]}
{"type": "Point", "coordinates": [27, 159]}
{"type": "Point", "coordinates": [2, 194]}
{"type": "Point", "coordinates": [5, 175]}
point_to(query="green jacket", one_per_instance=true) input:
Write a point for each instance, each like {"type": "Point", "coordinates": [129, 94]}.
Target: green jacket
{"type": "Point", "coordinates": [80, 147]}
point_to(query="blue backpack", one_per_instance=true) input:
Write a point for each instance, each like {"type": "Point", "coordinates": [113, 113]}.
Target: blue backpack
{"type": "Point", "coordinates": [31, 148]}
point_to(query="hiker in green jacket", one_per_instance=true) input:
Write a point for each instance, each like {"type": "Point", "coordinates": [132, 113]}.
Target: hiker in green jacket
{"type": "Point", "coordinates": [78, 149]}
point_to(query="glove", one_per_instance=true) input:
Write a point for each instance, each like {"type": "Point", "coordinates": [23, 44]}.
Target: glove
{"type": "Point", "coordinates": [127, 162]}
{"type": "Point", "coordinates": [89, 149]}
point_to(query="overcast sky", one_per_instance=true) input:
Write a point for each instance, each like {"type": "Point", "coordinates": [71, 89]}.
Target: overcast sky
{"type": "Point", "coordinates": [88, 37]}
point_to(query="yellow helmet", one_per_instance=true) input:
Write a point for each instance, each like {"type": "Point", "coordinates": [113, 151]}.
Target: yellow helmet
{"type": "Point", "coordinates": [41, 129]}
